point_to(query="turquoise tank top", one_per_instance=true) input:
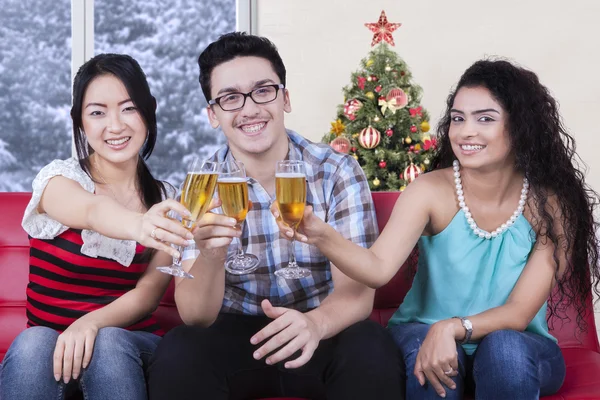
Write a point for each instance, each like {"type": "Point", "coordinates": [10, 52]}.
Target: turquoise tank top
{"type": "Point", "coordinates": [461, 274]}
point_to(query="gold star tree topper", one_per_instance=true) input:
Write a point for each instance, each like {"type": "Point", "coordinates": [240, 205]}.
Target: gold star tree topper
{"type": "Point", "coordinates": [382, 30]}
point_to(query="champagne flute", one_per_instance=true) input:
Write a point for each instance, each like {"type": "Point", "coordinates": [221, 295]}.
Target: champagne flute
{"type": "Point", "coordinates": [233, 191]}
{"type": "Point", "coordinates": [290, 191]}
{"type": "Point", "coordinates": [196, 194]}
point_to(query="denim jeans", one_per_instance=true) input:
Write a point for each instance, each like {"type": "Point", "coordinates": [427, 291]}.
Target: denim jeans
{"type": "Point", "coordinates": [506, 365]}
{"type": "Point", "coordinates": [116, 370]}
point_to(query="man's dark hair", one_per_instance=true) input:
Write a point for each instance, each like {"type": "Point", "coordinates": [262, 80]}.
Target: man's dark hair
{"type": "Point", "coordinates": [237, 44]}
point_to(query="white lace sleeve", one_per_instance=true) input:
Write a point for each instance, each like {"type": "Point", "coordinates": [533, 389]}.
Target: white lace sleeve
{"type": "Point", "coordinates": [41, 226]}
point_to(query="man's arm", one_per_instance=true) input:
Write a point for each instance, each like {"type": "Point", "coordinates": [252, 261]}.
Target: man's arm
{"type": "Point", "coordinates": [349, 303]}
{"type": "Point", "coordinates": [199, 300]}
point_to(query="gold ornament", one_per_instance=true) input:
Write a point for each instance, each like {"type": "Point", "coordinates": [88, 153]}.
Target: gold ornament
{"type": "Point", "coordinates": [376, 119]}
{"type": "Point", "coordinates": [369, 78]}
{"type": "Point", "coordinates": [388, 68]}
{"type": "Point", "coordinates": [418, 146]}
{"type": "Point", "coordinates": [408, 140]}
{"type": "Point", "coordinates": [369, 62]}
{"type": "Point", "coordinates": [376, 182]}
{"type": "Point", "coordinates": [355, 156]}
{"type": "Point", "coordinates": [337, 127]}
{"type": "Point", "coordinates": [403, 187]}
{"type": "Point", "coordinates": [425, 126]}
{"type": "Point", "coordinates": [370, 95]}
{"type": "Point", "coordinates": [355, 135]}
{"type": "Point", "coordinates": [426, 161]}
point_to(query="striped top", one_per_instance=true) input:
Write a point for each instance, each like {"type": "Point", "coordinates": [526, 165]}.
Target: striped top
{"type": "Point", "coordinates": [64, 284]}
{"type": "Point", "coordinates": [73, 272]}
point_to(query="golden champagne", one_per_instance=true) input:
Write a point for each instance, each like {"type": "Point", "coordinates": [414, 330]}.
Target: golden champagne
{"type": "Point", "coordinates": [196, 195]}
{"type": "Point", "coordinates": [233, 193]}
{"type": "Point", "coordinates": [290, 189]}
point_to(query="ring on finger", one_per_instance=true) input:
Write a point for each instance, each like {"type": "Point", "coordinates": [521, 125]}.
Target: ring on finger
{"type": "Point", "coordinates": [451, 370]}
{"type": "Point", "coordinates": [153, 233]}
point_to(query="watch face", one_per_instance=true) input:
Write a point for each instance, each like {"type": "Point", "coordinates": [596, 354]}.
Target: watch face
{"type": "Point", "coordinates": [468, 324]}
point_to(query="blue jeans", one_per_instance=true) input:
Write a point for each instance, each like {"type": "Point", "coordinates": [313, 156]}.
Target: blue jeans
{"type": "Point", "coordinates": [506, 365]}
{"type": "Point", "coordinates": [116, 371]}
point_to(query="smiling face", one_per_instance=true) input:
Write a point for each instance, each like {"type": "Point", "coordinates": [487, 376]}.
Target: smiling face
{"type": "Point", "coordinates": [478, 129]}
{"type": "Point", "coordinates": [255, 129]}
{"type": "Point", "coordinates": [112, 124]}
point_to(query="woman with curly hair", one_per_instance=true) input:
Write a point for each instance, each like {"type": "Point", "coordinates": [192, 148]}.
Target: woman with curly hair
{"type": "Point", "coordinates": [504, 219]}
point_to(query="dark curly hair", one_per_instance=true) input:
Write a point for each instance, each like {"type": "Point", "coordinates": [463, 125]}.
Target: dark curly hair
{"type": "Point", "coordinates": [545, 154]}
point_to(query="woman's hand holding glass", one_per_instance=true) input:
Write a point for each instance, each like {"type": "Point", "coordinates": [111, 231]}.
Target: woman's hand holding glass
{"type": "Point", "coordinates": [155, 230]}
{"type": "Point", "coordinates": [311, 229]}
{"type": "Point", "coordinates": [196, 195]}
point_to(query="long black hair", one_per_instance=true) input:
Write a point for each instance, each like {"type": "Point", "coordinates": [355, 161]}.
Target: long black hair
{"type": "Point", "coordinates": [545, 154]}
{"type": "Point", "coordinates": [129, 72]}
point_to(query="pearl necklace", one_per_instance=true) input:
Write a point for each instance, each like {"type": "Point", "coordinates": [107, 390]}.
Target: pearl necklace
{"type": "Point", "coordinates": [476, 230]}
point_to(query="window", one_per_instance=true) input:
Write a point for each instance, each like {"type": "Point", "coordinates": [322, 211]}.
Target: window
{"type": "Point", "coordinates": [35, 88]}
{"type": "Point", "coordinates": [39, 58]}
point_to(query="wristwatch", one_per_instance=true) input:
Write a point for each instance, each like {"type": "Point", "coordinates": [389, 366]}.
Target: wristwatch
{"type": "Point", "coordinates": [468, 329]}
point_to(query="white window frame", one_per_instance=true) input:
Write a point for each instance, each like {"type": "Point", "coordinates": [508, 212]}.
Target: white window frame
{"type": "Point", "coordinates": [82, 31]}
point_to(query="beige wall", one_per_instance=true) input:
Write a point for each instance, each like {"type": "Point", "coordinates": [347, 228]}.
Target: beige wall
{"type": "Point", "coordinates": [322, 42]}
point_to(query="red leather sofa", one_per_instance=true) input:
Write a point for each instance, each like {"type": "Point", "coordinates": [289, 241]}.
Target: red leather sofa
{"type": "Point", "coordinates": [582, 354]}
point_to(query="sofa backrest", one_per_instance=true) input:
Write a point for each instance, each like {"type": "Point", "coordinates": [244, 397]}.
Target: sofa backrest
{"type": "Point", "coordinates": [14, 270]}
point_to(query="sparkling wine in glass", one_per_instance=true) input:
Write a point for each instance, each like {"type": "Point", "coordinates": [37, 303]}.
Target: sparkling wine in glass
{"type": "Point", "coordinates": [290, 191]}
{"type": "Point", "coordinates": [196, 194]}
{"type": "Point", "coordinates": [233, 192]}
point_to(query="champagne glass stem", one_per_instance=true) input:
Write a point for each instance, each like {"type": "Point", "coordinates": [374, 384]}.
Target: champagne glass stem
{"type": "Point", "coordinates": [292, 256]}
{"type": "Point", "coordinates": [240, 247]}
{"type": "Point", "coordinates": [177, 260]}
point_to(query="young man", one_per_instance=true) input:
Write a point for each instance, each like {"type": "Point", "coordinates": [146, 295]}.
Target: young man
{"type": "Point", "coordinates": [256, 335]}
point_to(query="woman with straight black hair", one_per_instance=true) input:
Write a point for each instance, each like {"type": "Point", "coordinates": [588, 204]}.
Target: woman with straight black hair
{"type": "Point", "coordinates": [97, 230]}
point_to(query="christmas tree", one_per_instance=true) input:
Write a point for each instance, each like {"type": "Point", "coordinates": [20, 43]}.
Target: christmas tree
{"type": "Point", "coordinates": [381, 122]}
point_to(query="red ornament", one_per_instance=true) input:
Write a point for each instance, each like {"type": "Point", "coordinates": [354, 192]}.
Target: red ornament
{"type": "Point", "coordinates": [378, 88]}
{"type": "Point", "coordinates": [382, 30]}
{"type": "Point", "coordinates": [400, 96]}
{"type": "Point", "coordinates": [382, 164]}
{"type": "Point", "coordinates": [381, 98]}
{"type": "Point", "coordinates": [411, 148]}
{"type": "Point", "coordinates": [340, 144]}
{"type": "Point", "coordinates": [369, 137]}
{"type": "Point", "coordinates": [354, 149]}
{"type": "Point", "coordinates": [351, 108]}
{"type": "Point", "coordinates": [373, 78]}
{"type": "Point", "coordinates": [402, 73]}
{"type": "Point", "coordinates": [411, 172]}
{"type": "Point", "coordinates": [389, 132]}
{"type": "Point", "coordinates": [413, 129]}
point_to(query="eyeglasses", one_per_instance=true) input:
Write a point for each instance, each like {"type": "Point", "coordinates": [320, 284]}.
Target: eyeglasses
{"type": "Point", "coordinates": [236, 101]}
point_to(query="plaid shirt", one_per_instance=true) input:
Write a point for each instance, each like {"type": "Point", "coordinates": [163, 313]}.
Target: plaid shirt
{"type": "Point", "coordinates": [338, 191]}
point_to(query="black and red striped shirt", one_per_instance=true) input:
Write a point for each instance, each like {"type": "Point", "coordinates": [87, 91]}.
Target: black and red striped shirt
{"type": "Point", "coordinates": [65, 284]}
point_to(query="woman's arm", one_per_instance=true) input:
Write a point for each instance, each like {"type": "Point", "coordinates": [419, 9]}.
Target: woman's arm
{"type": "Point", "coordinates": [65, 201]}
